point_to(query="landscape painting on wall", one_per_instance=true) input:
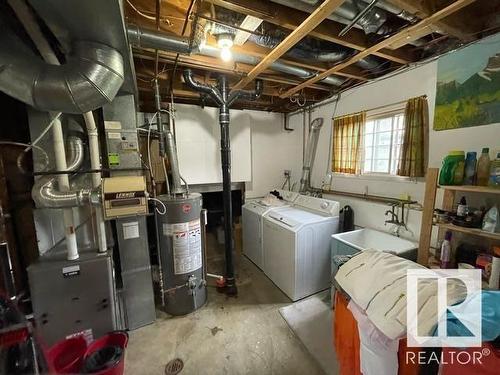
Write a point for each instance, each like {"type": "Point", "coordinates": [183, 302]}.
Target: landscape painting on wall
{"type": "Point", "coordinates": [468, 86]}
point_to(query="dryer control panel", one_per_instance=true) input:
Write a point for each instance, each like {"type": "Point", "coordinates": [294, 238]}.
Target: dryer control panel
{"type": "Point", "coordinates": [325, 206]}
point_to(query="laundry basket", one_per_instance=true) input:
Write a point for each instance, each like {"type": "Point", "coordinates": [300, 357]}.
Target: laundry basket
{"type": "Point", "coordinates": [106, 355]}
{"type": "Point", "coordinates": [66, 356]}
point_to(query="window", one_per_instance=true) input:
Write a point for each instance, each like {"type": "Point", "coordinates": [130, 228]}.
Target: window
{"type": "Point", "coordinates": [382, 141]}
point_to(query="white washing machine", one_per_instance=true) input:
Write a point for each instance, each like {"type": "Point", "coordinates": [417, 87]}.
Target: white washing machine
{"type": "Point", "coordinates": [252, 213]}
{"type": "Point", "coordinates": [296, 243]}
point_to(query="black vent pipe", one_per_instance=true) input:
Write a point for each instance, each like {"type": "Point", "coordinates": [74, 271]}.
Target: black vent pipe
{"type": "Point", "coordinates": [221, 95]}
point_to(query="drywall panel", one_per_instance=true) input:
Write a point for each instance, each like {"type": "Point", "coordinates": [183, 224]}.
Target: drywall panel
{"type": "Point", "coordinates": [260, 148]}
{"type": "Point", "coordinates": [198, 145]}
{"type": "Point", "coordinates": [414, 82]}
{"type": "Point", "coordinates": [273, 150]}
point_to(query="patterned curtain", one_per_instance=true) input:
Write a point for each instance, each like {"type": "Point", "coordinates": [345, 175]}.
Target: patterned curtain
{"type": "Point", "coordinates": [413, 158]}
{"type": "Point", "coordinates": [347, 137]}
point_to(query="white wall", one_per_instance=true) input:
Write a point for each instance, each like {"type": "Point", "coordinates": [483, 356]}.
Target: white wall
{"type": "Point", "coordinates": [260, 149]}
{"type": "Point", "coordinates": [416, 82]}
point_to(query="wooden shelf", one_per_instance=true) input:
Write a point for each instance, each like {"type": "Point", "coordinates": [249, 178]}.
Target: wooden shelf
{"type": "Point", "coordinates": [471, 189]}
{"type": "Point", "coordinates": [472, 231]}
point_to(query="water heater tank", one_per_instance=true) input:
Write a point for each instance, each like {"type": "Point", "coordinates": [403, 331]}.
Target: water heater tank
{"type": "Point", "coordinates": [181, 254]}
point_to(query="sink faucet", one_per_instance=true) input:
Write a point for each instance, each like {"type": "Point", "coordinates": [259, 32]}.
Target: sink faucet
{"type": "Point", "coordinates": [395, 219]}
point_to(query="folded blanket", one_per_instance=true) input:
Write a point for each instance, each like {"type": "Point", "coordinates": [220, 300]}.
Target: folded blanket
{"type": "Point", "coordinates": [376, 282]}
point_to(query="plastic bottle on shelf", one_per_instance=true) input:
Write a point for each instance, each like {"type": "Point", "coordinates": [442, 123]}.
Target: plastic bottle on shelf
{"type": "Point", "coordinates": [452, 171]}
{"type": "Point", "coordinates": [446, 250]}
{"type": "Point", "coordinates": [494, 180]}
{"type": "Point", "coordinates": [470, 168]}
{"type": "Point", "coordinates": [462, 207]}
{"type": "Point", "coordinates": [483, 167]}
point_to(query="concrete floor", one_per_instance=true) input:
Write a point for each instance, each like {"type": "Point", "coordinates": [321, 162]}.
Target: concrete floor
{"type": "Point", "coordinates": [243, 335]}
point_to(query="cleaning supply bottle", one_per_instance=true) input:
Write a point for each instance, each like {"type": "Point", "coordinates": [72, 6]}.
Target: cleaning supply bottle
{"type": "Point", "coordinates": [452, 171]}
{"type": "Point", "coordinates": [446, 250]}
{"type": "Point", "coordinates": [483, 167]}
{"type": "Point", "coordinates": [494, 180]}
{"type": "Point", "coordinates": [462, 208]}
{"type": "Point", "coordinates": [470, 168]}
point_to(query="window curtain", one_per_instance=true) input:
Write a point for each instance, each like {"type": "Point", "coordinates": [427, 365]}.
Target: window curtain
{"type": "Point", "coordinates": [347, 138]}
{"type": "Point", "coordinates": [414, 151]}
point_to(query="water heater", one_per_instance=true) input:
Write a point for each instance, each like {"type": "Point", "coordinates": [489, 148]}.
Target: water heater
{"type": "Point", "coordinates": [181, 253]}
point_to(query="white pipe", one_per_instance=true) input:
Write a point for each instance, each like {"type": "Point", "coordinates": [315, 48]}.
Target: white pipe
{"type": "Point", "coordinates": [63, 185]}
{"type": "Point", "coordinates": [95, 163]}
{"type": "Point", "coordinates": [36, 35]}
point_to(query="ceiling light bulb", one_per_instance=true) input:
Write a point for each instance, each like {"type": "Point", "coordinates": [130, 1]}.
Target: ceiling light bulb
{"type": "Point", "coordinates": [225, 40]}
{"type": "Point", "coordinates": [226, 55]}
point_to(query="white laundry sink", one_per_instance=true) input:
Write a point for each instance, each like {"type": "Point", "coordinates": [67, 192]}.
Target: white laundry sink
{"type": "Point", "coordinates": [366, 238]}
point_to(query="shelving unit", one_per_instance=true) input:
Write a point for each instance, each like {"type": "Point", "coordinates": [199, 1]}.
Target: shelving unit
{"type": "Point", "coordinates": [431, 187]}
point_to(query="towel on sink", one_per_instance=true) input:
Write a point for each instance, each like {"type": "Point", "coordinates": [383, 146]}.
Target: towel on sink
{"type": "Point", "coordinates": [376, 282]}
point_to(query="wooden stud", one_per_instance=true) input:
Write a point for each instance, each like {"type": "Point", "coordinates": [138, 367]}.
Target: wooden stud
{"type": "Point", "coordinates": [405, 33]}
{"type": "Point", "coordinates": [323, 11]}
{"type": "Point", "coordinates": [328, 30]}
{"type": "Point", "coordinates": [431, 180]}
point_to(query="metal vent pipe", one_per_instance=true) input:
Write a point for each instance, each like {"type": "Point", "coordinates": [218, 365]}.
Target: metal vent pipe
{"type": "Point", "coordinates": [310, 154]}
{"type": "Point", "coordinates": [91, 77]}
{"type": "Point", "coordinates": [46, 195]}
{"type": "Point", "coordinates": [146, 38]}
{"type": "Point", "coordinates": [224, 98]}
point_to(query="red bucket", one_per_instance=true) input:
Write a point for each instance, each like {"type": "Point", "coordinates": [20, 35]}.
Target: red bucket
{"type": "Point", "coordinates": [106, 355]}
{"type": "Point", "coordinates": [66, 356]}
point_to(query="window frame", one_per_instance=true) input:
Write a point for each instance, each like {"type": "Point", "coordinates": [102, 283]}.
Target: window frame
{"type": "Point", "coordinates": [386, 111]}
{"type": "Point", "coordinates": [391, 114]}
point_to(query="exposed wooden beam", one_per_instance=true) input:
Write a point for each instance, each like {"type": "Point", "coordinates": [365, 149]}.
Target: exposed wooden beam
{"type": "Point", "coordinates": [419, 9]}
{"type": "Point", "coordinates": [323, 11]}
{"type": "Point", "coordinates": [328, 30]}
{"type": "Point", "coordinates": [401, 35]}
{"type": "Point", "coordinates": [214, 65]}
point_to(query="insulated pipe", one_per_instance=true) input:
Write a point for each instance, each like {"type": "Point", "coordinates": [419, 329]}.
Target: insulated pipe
{"type": "Point", "coordinates": [224, 99]}
{"type": "Point", "coordinates": [310, 154]}
{"type": "Point", "coordinates": [95, 163]}
{"type": "Point", "coordinates": [46, 195]}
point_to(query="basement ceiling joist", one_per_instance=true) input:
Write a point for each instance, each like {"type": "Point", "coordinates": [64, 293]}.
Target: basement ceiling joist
{"type": "Point", "coordinates": [444, 27]}
{"type": "Point", "coordinates": [314, 19]}
{"type": "Point", "coordinates": [405, 33]}
{"type": "Point", "coordinates": [328, 30]}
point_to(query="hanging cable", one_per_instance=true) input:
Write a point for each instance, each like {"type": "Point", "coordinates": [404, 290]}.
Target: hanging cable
{"type": "Point", "coordinates": [156, 200]}
{"type": "Point", "coordinates": [42, 134]}
{"type": "Point", "coordinates": [22, 154]}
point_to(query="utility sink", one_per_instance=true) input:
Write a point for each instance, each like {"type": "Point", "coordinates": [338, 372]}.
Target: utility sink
{"type": "Point", "coordinates": [362, 239]}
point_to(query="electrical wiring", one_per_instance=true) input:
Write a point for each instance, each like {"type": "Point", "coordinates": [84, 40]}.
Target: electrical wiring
{"type": "Point", "coordinates": [141, 13]}
{"type": "Point", "coordinates": [22, 154]}
{"type": "Point", "coordinates": [156, 200]}
{"type": "Point", "coordinates": [150, 121]}
{"type": "Point", "coordinates": [42, 134]}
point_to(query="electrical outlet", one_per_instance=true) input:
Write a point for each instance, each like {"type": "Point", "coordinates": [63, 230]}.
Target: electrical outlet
{"type": "Point", "coordinates": [287, 173]}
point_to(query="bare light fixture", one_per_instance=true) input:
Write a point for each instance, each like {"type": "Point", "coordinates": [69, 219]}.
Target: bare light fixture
{"type": "Point", "coordinates": [225, 42]}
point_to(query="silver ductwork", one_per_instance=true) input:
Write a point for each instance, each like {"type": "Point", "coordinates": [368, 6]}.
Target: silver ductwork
{"type": "Point", "coordinates": [145, 38]}
{"type": "Point", "coordinates": [308, 49]}
{"type": "Point", "coordinates": [372, 22]}
{"type": "Point", "coordinates": [310, 154]}
{"type": "Point", "coordinates": [45, 192]}
{"type": "Point", "coordinates": [90, 78]}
